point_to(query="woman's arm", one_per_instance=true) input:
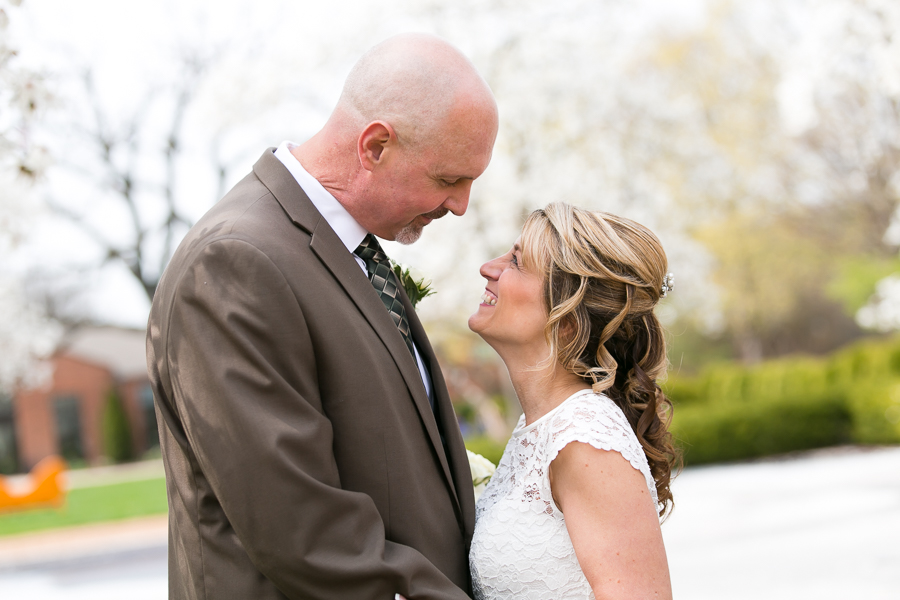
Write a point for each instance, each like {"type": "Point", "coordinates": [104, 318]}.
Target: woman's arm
{"type": "Point", "coordinates": [613, 523]}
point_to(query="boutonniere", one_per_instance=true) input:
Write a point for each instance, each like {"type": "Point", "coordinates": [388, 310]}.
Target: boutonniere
{"type": "Point", "coordinates": [482, 470]}
{"type": "Point", "coordinates": [415, 290]}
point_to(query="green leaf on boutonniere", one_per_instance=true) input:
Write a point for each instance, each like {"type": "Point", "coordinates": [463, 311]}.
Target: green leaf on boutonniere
{"type": "Point", "coordinates": [415, 290]}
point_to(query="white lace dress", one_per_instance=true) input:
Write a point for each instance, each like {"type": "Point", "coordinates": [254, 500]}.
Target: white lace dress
{"type": "Point", "coordinates": [521, 549]}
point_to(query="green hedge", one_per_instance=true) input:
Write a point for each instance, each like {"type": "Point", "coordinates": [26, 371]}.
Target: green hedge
{"type": "Point", "coordinates": [731, 412]}
{"type": "Point", "coordinates": [486, 447]}
{"type": "Point", "coordinates": [875, 406]}
{"type": "Point", "coordinates": [735, 431]}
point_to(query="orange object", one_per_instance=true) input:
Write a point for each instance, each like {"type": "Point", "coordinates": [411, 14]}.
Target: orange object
{"type": "Point", "coordinates": [44, 487]}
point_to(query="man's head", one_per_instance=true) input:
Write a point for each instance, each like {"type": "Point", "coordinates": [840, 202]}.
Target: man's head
{"type": "Point", "coordinates": [420, 124]}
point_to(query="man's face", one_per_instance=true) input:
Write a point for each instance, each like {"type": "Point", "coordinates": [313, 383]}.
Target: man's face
{"type": "Point", "coordinates": [423, 182]}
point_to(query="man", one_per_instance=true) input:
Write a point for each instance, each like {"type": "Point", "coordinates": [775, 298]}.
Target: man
{"type": "Point", "coordinates": [310, 447]}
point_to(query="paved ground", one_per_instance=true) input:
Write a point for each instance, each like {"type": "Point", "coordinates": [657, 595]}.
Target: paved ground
{"type": "Point", "coordinates": [91, 562]}
{"type": "Point", "coordinates": [822, 526]}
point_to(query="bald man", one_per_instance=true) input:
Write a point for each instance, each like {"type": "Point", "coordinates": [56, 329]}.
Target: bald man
{"type": "Point", "coordinates": [310, 446]}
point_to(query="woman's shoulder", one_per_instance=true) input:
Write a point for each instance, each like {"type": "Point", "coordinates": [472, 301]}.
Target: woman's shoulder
{"type": "Point", "coordinates": [596, 420]}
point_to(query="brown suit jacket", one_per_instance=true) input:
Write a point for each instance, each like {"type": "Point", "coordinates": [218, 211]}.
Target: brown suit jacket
{"type": "Point", "coordinates": [302, 457]}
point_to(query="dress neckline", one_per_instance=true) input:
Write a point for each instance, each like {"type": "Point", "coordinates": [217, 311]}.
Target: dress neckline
{"type": "Point", "coordinates": [518, 431]}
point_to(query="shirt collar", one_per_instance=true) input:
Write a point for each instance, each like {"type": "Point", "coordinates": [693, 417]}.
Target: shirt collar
{"type": "Point", "coordinates": [344, 225]}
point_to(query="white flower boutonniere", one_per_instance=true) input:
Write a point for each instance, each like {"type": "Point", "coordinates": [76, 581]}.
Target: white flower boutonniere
{"type": "Point", "coordinates": [415, 290]}
{"type": "Point", "coordinates": [482, 471]}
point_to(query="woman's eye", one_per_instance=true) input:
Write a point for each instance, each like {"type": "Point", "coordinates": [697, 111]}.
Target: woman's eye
{"type": "Point", "coordinates": [514, 260]}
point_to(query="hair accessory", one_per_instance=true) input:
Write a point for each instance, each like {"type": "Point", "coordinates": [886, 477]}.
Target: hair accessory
{"type": "Point", "coordinates": [668, 284]}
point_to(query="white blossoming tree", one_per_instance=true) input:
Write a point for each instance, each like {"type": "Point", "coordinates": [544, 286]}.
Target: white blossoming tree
{"type": "Point", "coordinates": [25, 334]}
{"type": "Point", "coordinates": [762, 153]}
{"type": "Point", "coordinates": [145, 158]}
{"type": "Point", "coordinates": [860, 115]}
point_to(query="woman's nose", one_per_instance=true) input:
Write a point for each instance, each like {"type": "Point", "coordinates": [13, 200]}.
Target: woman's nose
{"type": "Point", "coordinates": [491, 270]}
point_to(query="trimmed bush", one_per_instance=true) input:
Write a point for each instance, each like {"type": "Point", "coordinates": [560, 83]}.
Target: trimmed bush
{"type": "Point", "coordinates": [866, 360]}
{"type": "Point", "coordinates": [683, 390]}
{"type": "Point", "coordinates": [733, 431]}
{"type": "Point", "coordinates": [116, 429]}
{"type": "Point", "coordinates": [875, 410]}
{"type": "Point", "coordinates": [725, 382]}
{"type": "Point", "coordinates": [730, 412]}
{"type": "Point", "coordinates": [486, 447]}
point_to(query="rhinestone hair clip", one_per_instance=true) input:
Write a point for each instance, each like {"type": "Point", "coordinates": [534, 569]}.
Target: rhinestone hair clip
{"type": "Point", "coordinates": [668, 284]}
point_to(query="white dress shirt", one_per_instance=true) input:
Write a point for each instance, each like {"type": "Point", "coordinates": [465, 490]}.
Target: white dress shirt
{"type": "Point", "coordinates": [344, 225]}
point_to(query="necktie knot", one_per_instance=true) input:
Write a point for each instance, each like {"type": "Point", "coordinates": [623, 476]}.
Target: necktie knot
{"type": "Point", "coordinates": [370, 250]}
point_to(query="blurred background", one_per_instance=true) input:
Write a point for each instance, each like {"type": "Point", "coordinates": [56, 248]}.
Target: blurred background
{"type": "Point", "coordinates": [759, 140]}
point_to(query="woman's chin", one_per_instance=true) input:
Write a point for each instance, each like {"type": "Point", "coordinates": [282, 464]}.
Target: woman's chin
{"type": "Point", "coordinates": [474, 324]}
{"type": "Point", "coordinates": [478, 322]}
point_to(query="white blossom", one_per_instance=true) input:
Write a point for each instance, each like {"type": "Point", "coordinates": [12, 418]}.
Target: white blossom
{"type": "Point", "coordinates": [26, 337]}
{"type": "Point", "coordinates": [882, 313]}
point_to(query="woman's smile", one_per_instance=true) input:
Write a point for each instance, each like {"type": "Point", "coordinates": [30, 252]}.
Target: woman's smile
{"type": "Point", "coordinates": [488, 298]}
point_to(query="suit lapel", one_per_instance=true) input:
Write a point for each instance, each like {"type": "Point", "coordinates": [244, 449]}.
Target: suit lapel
{"type": "Point", "coordinates": [333, 254]}
{"type": "Point", "coordinates": [325, 243]}
{"type": "Point", "coordinates": [460, 479]}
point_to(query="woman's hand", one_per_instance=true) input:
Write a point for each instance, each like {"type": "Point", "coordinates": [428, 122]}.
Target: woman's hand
{"type": "Point", "coordinates": [613, 523]}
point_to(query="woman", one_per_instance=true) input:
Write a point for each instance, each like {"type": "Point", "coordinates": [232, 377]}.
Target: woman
{"type": "Point", "coordinates": [572, 510]}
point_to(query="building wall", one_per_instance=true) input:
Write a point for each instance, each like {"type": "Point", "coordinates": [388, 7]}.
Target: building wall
{"type": "Point", "coordinates": [35, 427]}
{"type": "Point", "coordinates": [36, 419]}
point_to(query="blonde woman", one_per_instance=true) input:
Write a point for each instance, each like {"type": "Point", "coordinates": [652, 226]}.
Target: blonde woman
{"type": "Point", "coordinates": [573, 509]}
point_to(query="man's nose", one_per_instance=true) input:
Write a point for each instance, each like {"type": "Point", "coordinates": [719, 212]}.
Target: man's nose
{"type": "Point", "coordinates": [458, 201]}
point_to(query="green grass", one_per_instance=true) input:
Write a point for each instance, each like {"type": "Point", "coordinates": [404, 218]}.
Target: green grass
{"type": "Point", "coordinates": [92, 505]}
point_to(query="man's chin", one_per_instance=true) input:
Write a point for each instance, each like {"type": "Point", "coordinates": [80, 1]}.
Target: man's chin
{"type": "Point", "coordinates": [413, 231]}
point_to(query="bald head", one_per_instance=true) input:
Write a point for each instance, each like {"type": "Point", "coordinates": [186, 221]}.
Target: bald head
{"type": "Point", "coordinates": [414, 127]}
{"type": "Point", "coordinates": [413, 82]}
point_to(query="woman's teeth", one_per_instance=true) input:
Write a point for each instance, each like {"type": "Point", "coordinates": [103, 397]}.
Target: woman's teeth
{"type": "Point", "coordinates": [488, 299]}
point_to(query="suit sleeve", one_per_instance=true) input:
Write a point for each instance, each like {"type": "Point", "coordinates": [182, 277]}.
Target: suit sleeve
{"type": "Point", "coordinates": [243, 375]}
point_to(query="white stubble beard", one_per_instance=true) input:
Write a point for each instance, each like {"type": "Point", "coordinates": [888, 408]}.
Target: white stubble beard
{"type": "Point", "coordinates": [410, 234]}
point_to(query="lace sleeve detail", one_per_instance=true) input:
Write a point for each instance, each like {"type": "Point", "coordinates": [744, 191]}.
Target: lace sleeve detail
{"type": "Point", "coordinates": [595, 420]}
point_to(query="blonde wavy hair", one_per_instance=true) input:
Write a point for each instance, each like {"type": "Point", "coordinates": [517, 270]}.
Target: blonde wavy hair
{"type": "Point", "coordinates": [603, 276]}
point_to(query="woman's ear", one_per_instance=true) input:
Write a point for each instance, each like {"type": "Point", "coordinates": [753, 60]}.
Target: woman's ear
{"type": "Point", "coordinates": [567, 329]}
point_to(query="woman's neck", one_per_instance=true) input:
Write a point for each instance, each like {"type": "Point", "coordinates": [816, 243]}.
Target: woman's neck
{"type": "Point", "coordinates": [540, 390]}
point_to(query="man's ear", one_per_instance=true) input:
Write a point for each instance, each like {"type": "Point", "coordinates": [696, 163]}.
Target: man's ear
{"type": "Point", "coordinates": [372, 142]}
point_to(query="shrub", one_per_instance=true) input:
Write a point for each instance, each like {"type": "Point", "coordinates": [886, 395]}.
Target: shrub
{"type": "Point", "coordinates": [730, 412]}
{"type": "Point", "coordinates": [733, 431]}
{"type": "Point", "coordinates": [875, 410]}
{"type": "Point", "coordinates": [866, 360]}
{"type": "Point", "coordinates": [683, 390]}
{"type": "Point", "coordinates": [486, 447]}
{"type": "Point", "coordinates": [723, 382]}
{"type": "Point", "coordinates": [116, 429]}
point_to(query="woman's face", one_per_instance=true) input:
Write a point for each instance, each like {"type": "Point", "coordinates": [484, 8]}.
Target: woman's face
{"type": "Point", "coordinates": [511, 309]}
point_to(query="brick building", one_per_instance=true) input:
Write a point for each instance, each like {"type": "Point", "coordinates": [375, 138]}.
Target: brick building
{"type": "Point", "coordinates": [64, 415]}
